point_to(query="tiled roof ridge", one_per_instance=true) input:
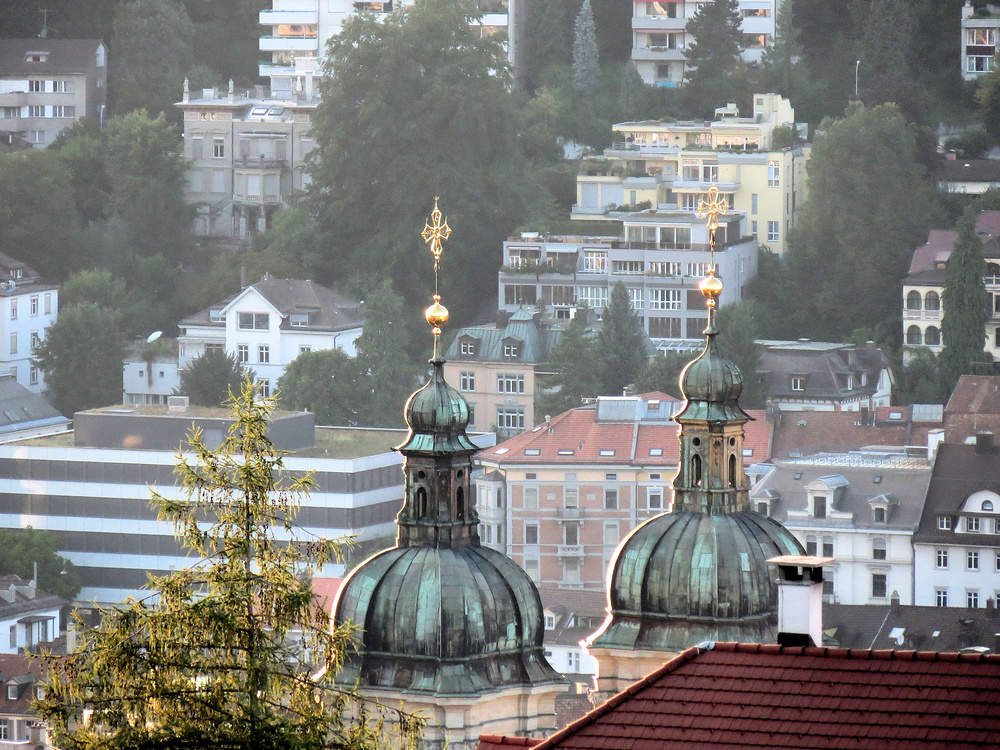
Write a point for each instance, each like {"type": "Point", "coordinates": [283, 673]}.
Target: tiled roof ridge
{"type": "Point", "coordinates": [502, 739]}
{"type": "Point", "coordinates": [862, 654]}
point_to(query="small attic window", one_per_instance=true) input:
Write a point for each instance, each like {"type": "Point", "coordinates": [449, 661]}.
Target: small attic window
{"type": "Point", "coordinates": [566, 451]}
{"type": "Point", "coordinates": [895, 415]}
{"type": "Point", "coordinates": [298, 320]}
{"type": "Point", "coordinates": [467, 348]}
{"type": "Point", "coordinates": [36, 57]}
{"type": "Point", "coordinates": [656, 451]}
{"type": "Point", "coordinates": [798, 475]}
{"type": "Point", "coordinates": [653, 405]}
{"type": "Point", "coordinates": [877, 479]}
{"type": "Point", "coordinates": [501, 451]}
{"type": "Point", "coordinates": [550, 621]}
{"type": "Point", "coordinates": [747, 452]}
{"type": "Point", "coordinates": [216, 316]}
{"type": "Point", "coordinates": [12, 692]}
{"type": "Point", "coordinates": [532, 451]}
{"type": "Point", "coordinates": [608, 452]}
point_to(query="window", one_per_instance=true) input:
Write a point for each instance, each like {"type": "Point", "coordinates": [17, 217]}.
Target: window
{"type": "Point", "coordinates": [828, 546]}
{"type": "Point", "coordinates": [710, 173]}
{"type": "Point", "coordinates": [593, 296]}
{"type": "Point", "coordinates": [979, 63]}
{"type": "Point", "coordinates": [510, 417]}
{"type": "Point", "coordinates": [36, 136]}
{"type": "Point", "coordinates": [305, 349]}
{"type": "Point", "coordinates": [697, 270]}
{"type": "Point", "coordinates": [265, 387]}
{"type": "Point", "coordinates": [13, 342]}
{"type": "Point", "coordinates": [828, 587]}
{"type": "Point", "coordinates": [531, 568]}
{"type": "Point", "coordinates": [972, 524]}
{"type": "Point", "coordinates": [298, 320]}
{"type": "Point", "coordinates": [531, 533]}
{"type": "Point", "coordinates": [811, 546]}
{"type": "Point", "coordinates": [35, 340]}
{"type": "Point", "coordinates": [878, 549]}
{"type": "Point", "coordinates": [932, 336]}
{"type": "Point", "coordinates": [972, 599]}
{"type": "Point", "coordinates": [913, 300]}
{"type": "Point", "coordinates": [972, 560]}
{"type": "Point", "coordinates": [819, 507]}
{"type": "Point", "coordinates": [263, 354]}
{"type": "Point", "coordinates": [571, 498]}
{"type": "Point", "coordinates": [467, 348]}
{"type": "Point", "coordinates": [63, 87]}
{"type": "Point", "coordinates": [218, 148]}
{"type": "Point", "coordinates": [656, 499]}
{"type": "Point", "coordinates": [941, 559]}
{"type": "Point", "coordinates": [467, 381]}
{"type": "Point", "coordinates": [573, 661]}
{"type": "Point", "coordinates": [248, 321]}
{"type": "Point", "coordinates": [32, 375]}
{"type": "Point", "coordinates": [531, 498]}
{"type": "Point", "coordinates": [11, 694]}
{"type": "Point", "coordinates": [520, 294]}
{"type": "Point", "coordinates": [36, 110]}
{"type": "Point", "coordinates": [48, 304]}
{"type": "Point", "coordinates": [36, 87]}
{"type": "Point", "coordinates": [798, 383]}
{"type": "Point", "coordinates": [550, 621]}
{"type": "Point", "coordinates": [980, 37]}
{"type": "Point", "coordinates": [941, 597]}
{"type": "Point", "coordinates": [611, 499]}
{"type": "Point", "coordinates": [878, 515]}
{"type": "Point", "coordinates": [510, 383]}
{"type": "Point", "coordinates": [511, 351]}
{"type": "Point", "coordinates": [63, 111]}
{"type": "Point", "coordinates": [773, 174]}
{"type": "Point", "coordinates": [611, 534]}
{"type": "Point", "coordinates": [243, 352]}
{"type": "Point", "coordinates": [5, 723]}
{"type": "Point", "coordinates": [571, 535]}
{"type": "Point", "coordinates": [664, 299]}
{"type": "Point", "coordinates": [665, 328]}
{"type": "Point", "coordinates": [944, 523]}
{"type": "Point", "coordinates": [772, 231]}
{"type": "Point", "coordinates": [635, 298]}
{"type": "Point", "coordinates": [595, 261]}
{"type": "Point", "coordinates": [932, 301]}
{"type": "Point", "coordinates": [753, 204]}
{"type": "Point", "coordinates": [878, 585]}
{"type": "Point", "coordinates": [987, 506]}
{"type": "Point", "coordinates": [628, 267]}
{"type": "Point", "coordinates": [664, 268]}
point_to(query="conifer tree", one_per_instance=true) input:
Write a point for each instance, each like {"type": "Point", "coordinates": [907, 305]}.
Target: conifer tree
{"type": "Point", "coordinates": [586, 67]}
{"type": "Point", "coordinates": [232, 653]}
{"type": "Point", "coordinates": [963, 319]}
{"type": "Point", "coordinates": [573, 364]}
{"type": "Point", "coordinates": [783, 70]}
{"type": "Point", "coordinates": [714, 57]}
{"type": "Point", "coordinates": [621, 343]}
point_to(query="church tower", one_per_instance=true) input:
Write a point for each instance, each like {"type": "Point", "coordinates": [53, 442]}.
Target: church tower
{"type": "Point", "coordinates": [448, 628]}
{"type": "Point", "coordinates": [699, 572]}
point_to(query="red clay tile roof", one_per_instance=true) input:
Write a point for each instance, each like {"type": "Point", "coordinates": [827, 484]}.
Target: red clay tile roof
{"type": "Point", "coordinates": [752, 696]}
{"type": "Point", "coordinates": [938, 246]}
{"type": "Point", "coordinates": [500, 742]}
{"type": "Point", "coordinates": [834, 432]}
{"type": "Point", "coordinates": [975, 394]}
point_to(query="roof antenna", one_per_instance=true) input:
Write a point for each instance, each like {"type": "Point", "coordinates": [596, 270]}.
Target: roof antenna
{"type": "Point", "coordinates": [45, 23]}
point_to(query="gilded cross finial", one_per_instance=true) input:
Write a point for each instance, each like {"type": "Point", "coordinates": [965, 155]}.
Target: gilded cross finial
{"type": "Point", "coordinates": [711, 210]}
{"type": "Point", "coordinates": [435, 232]}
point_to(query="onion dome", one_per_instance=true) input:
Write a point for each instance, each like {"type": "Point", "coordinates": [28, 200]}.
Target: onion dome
{"type": "Point", "coordinates": [683, 578]}
{"type": "Point", "coordinates": [712, 385]}
{"type": "Point", "coordinates": [437, 416]}
{"type": "Point", "coordinates": [446, 621]}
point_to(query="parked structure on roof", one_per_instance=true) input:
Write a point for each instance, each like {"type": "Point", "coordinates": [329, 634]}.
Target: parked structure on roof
{"type": "Point", "coordinates": [671, 165]}
{"type": "Point", "coordinates": [46, 85]}
{"type": "Point", "coordinates": [859, 508]}
{"type": "Point", "coordinates": [956, 547]}
{"type": "Point", "coordinates": [660, 258]}
{"type": "Point", "coordinates": [808, 375]}
{"type": "Point", "coordinates": [924, 285]}
{"type": "Point", "coordinates": [659, 39]}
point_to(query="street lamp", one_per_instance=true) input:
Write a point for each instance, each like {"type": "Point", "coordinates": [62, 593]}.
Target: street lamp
{"type": "Point", "coordinates": [857, 65]}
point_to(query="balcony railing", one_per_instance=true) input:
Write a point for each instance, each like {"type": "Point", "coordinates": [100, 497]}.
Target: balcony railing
{"type": "Point", "coordinates": [258, 200]}
{"type": "Point", "coordinates": [921, 314]}
{"type": "Point", "coordinates": [570, 550]}
{"type": "Point", "coordinates": [568, 513]}
{"type": "Point", "coordinates": [256, 162]}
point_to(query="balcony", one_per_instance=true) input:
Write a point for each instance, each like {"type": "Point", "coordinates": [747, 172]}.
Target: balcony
{"type": "Point", "coordinates": [568, 514]}
{"type": "Point", "coordinates": [289, 43]}
{"type": "Point", "coordinates": [658, 54]}
{"type": "Point", "coordinates": [294, 17]}
{"type": "Point", "coordinates": [255, 162]}
{"type": "Point", "coordinates": [14, 99]}
{"type": "Point", "coordinates": [658, 23]}
{"type": "Point", "coordinates": [911, 315]}
{"type": "Point", "coordinates": [258, 200]}
{"type": "Point", "coordinates": [268, 69]}
{"type": "Point", "coordinates": [570, 550]}
{"type": "Point", "coordinates": [702, 186]}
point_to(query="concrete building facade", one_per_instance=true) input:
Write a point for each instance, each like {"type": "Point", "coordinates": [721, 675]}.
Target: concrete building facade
{"type": "Point", "coordinates": [29, 304]}
{"type": "Point", "coordinates": [979, 40]}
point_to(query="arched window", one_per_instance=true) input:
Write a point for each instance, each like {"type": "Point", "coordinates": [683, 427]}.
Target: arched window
{"type": "Point", "coordinates": [987, 505]}
{"type": "Point", "coordinates": [732, 469]}
{"type": "Point", "coordinates": [932, 301]}
{"type": "Point", "coordinates": [460, 502]}
{"type": "Point", "coordinates": [421, 502]}
{"type": "Point", "coordinates": [932, 336]}
{"type": "Point", "coordinates": [696, 471]}
{"type": "Point", "coordinates": [913, 336]}
{"type": "Point", "coordinates": [913, 300]}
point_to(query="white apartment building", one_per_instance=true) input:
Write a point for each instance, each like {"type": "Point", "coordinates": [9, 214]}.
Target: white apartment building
{"type": "Point", "coordinates": [660, 38]}
{"type": "Point", "coordinates": [859, 508]}
{"type": "Point", "coordinates": [978, 43]}
{"type": "Point", "coordinates": [298, 30]}
{"type": "Point", "coordinates": [270, 323]}
{"type": "Point", "coordinates": [46, 85]}
{"type": "Point", "coordinates": [660, 258]}
{"type": "Point", "coordinates": [29, 304]}
{"type": "Point", "coordinates": [672, 165]}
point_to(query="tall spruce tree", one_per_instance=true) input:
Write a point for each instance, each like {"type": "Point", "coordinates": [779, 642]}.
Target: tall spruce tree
{"type": "Point", "coordinates": [621, 344]}
{"type": "Point", "coordinates": [233, 652]}
{"type": "Point", "coordinates": [964, 302]}
{"type": "Point", "coordinates": [573, 364]}
{"type": "Point", "coordinates": [586, 67]}
{"type": "Point", "coordinates": [713, 58]}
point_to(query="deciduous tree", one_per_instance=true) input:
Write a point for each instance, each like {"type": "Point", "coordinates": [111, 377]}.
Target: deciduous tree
{"type": "Point", "coordinates": [210, 379]}
{"type": "Point", "coordinates": [232, 652]}
{"type": "Point", "coordinates": [324, 382]}
{"type": "Point", "coordinates": [21, 550]}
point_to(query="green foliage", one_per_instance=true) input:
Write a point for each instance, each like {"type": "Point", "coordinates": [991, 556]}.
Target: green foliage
{"type": "Point", "coordinates": [81, 147]}
{"type": "Point", "coordinates": [919, 380]}
{"type": "Point", "coordinates": [988, 99]}
{"type": "Point", "coordinates": [713, 58]}
{"type": "Point", "coordinates": [232, 652]}
{"type": "Point", "coordinates": [783, 137]}
{"type": "Point", "coordinates": [81, 356]}
{"type": "Point", "coordinates": [586, 67]}
{"type": "Point", "coordinates": [146, 169]}
{"type": "Point", "coordinates": [972, 144]}
{"type": "Point", "coordinates": [852, 247]}
{"type": "Point", "coordinates": [783, 69]}
{"type": "Point", "coordinates": [324, 382]}
{"type": "Point", "coordinates": [21, 549]}
{"type": "Point", "coordinates": [425, 83]}
{"type": "Point", "coordinates": [964, 308]}
{"type": "Point", "coordinates": [151, 54]}
{"type": "Point", "coordinates": [739, 327]}
{"type": "Point", "coordinates": [38, 221]}
{"type": "Point", "coordinates": [97, 285]}
{"type": "Point", "coordinates": [621, 344]}
{"type": "Point", "coordinates": [292, 248]}
{"type": "Point", "coordinates": [387, 375]}
{"type": "Point", "coordinates": [211, 378]}
{"type": "Point", "coordinates": [663, 373]}
{"type": "Point", "coordinates": [574, 374]}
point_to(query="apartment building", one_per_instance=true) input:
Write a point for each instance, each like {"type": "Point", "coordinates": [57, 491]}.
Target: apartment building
{"type": "Point", "coordinates": [858, 507]}
{"type": "Point", "coordinates": [46, 85]}
{"type": "Point", "coordinates": [247, 154]}
{"type": "Point", "coordinates": [559, 498]}
{"type": "Point", "coordinates": [29, 304]}
{"type": "Point", "coordinates": [297, 32]}
{"type": "Point", "coordinates": [978, 44]}
{"type": "Point", "coordinates": [923, 287]}
{"type": "Point", "coordinates": [670, 166]}
{"type": "Point", "coordinates": [660, 39]}
{"type": "Point", "coordinates": [660, 257]}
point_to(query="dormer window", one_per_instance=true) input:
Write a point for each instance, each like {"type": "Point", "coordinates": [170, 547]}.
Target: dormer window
{"type": "Point", "coordinates": [944, 523]}
{"type": "Point", "coordinates": [987, 506]}
{"type": "Point", "coordinates": [798, 383]}
{"type": "Point", "coordinates": [850, 382]}
{"type": "Point", "coordinates": [216, 316]}
{"type": "Point", "coordinates": [12, 692]}
{"type": "Point", "coordinates": [550, 621]}
{"type": "Point", "coordinates": [511, 351]}
{"type": "Point", "coordinates": [763, 508]}
{"type": "Point", "coordinates": [864, 379]}
{"type": "Point", "coordinates": [298, 320]}
{"type": "Point", "coordinates": [878, 515]}
{"type": "Point", "coordinates": [467, 348]}
{"type": "Point", "coordinates": [36, 57]}
{"type": "Point", "coordinates": [819, 506]}
{"type": "Point", "coordinates": [972, 524]}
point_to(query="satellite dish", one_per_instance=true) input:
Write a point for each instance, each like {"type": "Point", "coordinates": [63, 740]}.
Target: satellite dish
{"type": "Point", "coordinates": [153, 336]}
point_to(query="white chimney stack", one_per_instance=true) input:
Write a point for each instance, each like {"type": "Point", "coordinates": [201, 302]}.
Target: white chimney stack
{"type": "Point", "coordinates": [800, 599]}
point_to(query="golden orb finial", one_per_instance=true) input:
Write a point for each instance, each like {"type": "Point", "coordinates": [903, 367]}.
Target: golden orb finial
{"type": "Point", "coordinates": [711, 288]}
{"type": "Point", "coordinates": [435, 233]}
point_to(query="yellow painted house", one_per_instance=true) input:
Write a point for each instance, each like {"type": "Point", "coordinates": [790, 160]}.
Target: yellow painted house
{"type": "Point", "coordinates": [672, 165]}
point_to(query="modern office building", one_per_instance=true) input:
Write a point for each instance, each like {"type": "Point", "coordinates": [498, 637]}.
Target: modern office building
{"type": "Point", "coordinates": [46, 85]}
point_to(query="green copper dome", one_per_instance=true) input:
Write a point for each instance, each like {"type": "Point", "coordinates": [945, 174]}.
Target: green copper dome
{"type": "Point", "coordinates": [447, 621]}
{"type": "Point", "coordinates": [437, 415]}
{"type": "Point", "coordinates": [712, 385]}
{"type": "Point", "coordinates": [683, 578]}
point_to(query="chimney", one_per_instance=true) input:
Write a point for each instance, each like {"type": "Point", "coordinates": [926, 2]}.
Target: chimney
{"type": "Point", "coordinates": [71, 637]}
{"type": "Point", "coordinates": [894, 601]}
{"type": "Point", "coordinates": [984, 442]}
{"type": "Point", "coordinates": [177, 404]}
{"type": "Point", "coordinates": [800, 599]}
